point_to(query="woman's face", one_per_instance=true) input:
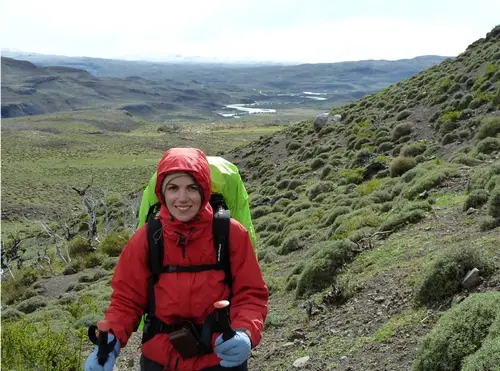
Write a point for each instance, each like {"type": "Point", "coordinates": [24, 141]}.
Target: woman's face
{"type": "Point", "coordinates": [183, 198]}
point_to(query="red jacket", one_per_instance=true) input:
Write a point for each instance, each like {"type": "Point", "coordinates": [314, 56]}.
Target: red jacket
{"type": "Point", "coordinates": [187, 295]}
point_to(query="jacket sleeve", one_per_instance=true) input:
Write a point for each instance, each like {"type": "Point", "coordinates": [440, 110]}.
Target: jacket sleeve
{"type": "Point", "coordinates": [250, 293]}
{"type": "Point", "coordinates": [130, 287]}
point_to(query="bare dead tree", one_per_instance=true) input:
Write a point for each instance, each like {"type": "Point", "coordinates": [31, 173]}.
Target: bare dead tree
{"type": "Point", "coordinates": [109, 222]}
{"type": "Point", "coordinates": [11, 252]}
{"type": "Point", "coordinates": [133, 203]}
{"type": "Point", "coordinates": [91, 201]}
{"type": "Point", "coordinates": [44, 257]}
{"type": "Point", "coordinates": [59, 241]}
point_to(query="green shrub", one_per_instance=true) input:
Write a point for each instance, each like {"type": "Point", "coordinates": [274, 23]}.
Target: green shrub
{"type": "Point", "coordinates": [494, 204]}
{"type": "Point", "coordinates": [291, 283]}
{"type": "Point", "coordinates": [14, 289]}
{"type": "Point", "coordinates": [449, 138]}
{"type": "Point", "coordinates": [367, 188]}
{"type": "Point", "coordinates": [460, 332]}
{"type": "Point", "coordinates": [442, 277]}
{"type": "Point", "coordinates": [482, 176]}
{"type": "Point", "coordinates": [433, 177]}
{"type": "Point", "coordinates": [488, 223]}
{"type": "Point", "coordinates": [282, 184]}
{"type": "Point", "coordinates": [294, 183]}
{"type": "Point", "coordinates": [87, 320]}
{"type": "Point", "coordinates": [280, 205]}
{"type": "Point", "coordinates": [260, 211]}
{"type": "Point", "coordinates": [329, 218]}
{"type": "Point", "coordinates": [401, 165]}
{"type": "Point", "coordinates": [293, 145]}
{"type": "Point", "coordinates": [27, 346]}
{"type": "Point", "coordinates": [93, 260]}
{"type": "Point", "coordinates": [381, 196]}
{"type": "Point", "coordinates": [320, 268]}
{"type": "Point", "coordinates": [290, 244]}
{"type": "Point", "coordinates": [78, 246]}
{"type": "Point", "coordinates": [326, 171]}
{"type": "Point", "coordinates": [354, 176]}
{"type": "Point", "coordinates": [413, 149]}
{"type": "Point", "coordinates": [401, 130]}
{"type": "Point", "coordinates": [402, 218]}
{"type": "Point", "coordinates": [317, 163]}
{"type": "Point", "coordinates": [11, 314]}
{"type": "Point", "coordinates": [488, 356]}
{"type": "Point", "coordinates": [32, 304]}
{"type": "Point", "coordinates": [488, 145]}
{"type": "Point", "coordinates": [270, 257]}
{"type": "Point", "coordinates": [385, 146]}
{"type": "Point", "coordinates": [464, 159]}
{"type": "Point", "coordinates": [318, 188]}
{"type": "Point", "coordinates": [476, 199]}
{"type": "Point", "coordinates": [402, 115]}
{"type": "Point", "coordinates": [112, 245]}
{"type": "Point", "coordinates": [448, 126]}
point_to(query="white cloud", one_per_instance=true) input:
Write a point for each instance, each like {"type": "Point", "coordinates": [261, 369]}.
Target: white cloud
{"type": "Point", "coordinates": [286, 30]}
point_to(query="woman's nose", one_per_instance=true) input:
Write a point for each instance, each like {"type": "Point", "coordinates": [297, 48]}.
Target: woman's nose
{"type": "Point", "coordinates": [183, 195]}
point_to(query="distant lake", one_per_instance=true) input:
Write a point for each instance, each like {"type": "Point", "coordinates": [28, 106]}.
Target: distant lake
{"type": "Point", "coordinates": [243, 107]}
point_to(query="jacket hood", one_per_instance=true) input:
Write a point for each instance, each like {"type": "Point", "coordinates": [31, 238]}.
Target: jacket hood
{"type": "Point", "coordinates": [186, 160]}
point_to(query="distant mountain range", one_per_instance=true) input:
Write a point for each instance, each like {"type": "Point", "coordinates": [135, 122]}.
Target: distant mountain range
{"type": "Point", "coordinates": [157, 91]}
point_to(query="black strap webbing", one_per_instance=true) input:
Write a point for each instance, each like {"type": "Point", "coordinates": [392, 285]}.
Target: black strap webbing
{"type": "Point", "coordinates": [221, 223]}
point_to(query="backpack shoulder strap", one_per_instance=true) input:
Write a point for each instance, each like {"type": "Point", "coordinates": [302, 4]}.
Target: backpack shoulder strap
{"type": "Point", "coordinates": [155, 245]}
{"type": "Point", "coordinates": [221, 223]}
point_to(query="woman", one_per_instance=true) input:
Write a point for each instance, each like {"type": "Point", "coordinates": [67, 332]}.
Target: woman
{"type": "Point", "coordinates": [183, 187]}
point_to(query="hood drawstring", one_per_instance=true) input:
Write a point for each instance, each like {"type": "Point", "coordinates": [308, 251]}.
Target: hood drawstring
{"type": "Point", "coordinates": [182, 240]}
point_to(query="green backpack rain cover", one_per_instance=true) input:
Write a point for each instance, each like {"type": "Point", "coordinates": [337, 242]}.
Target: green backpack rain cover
{"type": "Point", "coordinates": [226, 180]}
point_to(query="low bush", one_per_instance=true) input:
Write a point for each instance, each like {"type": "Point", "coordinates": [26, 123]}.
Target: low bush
{"type": "Point", "coordinates": [112, 245]}
{"type": "Point", "coordinates": [401, 130]}
{"type": "Point", "coordinates": [490, 127]}
{"type": "Point", "coordinates": [459, 333]}
{"type": "Point", "coordinates": [32, 304]}
{"type": "Point", "coordinates": [401, 165]}
{"type": "Point", "coordinates": [442, 277]}
{"type": "Point", "coordinates": [27, 346]}
{"type": "Point", "coordinates": [488, 145]}
{"type": "Point", "coordinates": [320, 269]}
{"type": "Point", "coordinates": [318, 188]}
{"type": "Point", "coordinates": [14, 289]}
{"type": "Point", "coordinates": [330, 217]}
{"type": "Point", "coordinates": [476, 199]}
{"type": "Point", "coordinates": [488, 223]}
{"type": "Point", "coordinates": [413, 149]}
{"type": "Point", "coordinates": [494, 204]}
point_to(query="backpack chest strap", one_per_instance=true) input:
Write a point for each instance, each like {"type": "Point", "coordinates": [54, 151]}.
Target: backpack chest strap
{"type": "Point", "coordinates": [191, 268]}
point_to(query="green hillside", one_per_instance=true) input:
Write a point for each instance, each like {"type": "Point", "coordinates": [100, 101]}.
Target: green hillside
{"type": "Point", "coordinates": [369, 225]}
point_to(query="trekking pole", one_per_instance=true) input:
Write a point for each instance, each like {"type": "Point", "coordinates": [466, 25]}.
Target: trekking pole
{"type": "Point", "coordinates": [222, 307]}
{"type": "Point", "coordinates": [101, 340]}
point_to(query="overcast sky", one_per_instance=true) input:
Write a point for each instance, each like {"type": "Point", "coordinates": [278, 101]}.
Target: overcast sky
{"type": "Point", "coordinates": [266, 30]}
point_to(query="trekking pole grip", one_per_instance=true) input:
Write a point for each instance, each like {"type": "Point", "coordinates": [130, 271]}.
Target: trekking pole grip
{"type": "Point", "coordinates": [103, 351]}
{"type": "Point", "coordinates": [98, 335]}
{"type": "Point", "coordinates": [222, 307]}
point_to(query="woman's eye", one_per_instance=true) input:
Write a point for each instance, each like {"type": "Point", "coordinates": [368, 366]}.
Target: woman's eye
{"type": "Point", "coordinates": [193, 188]}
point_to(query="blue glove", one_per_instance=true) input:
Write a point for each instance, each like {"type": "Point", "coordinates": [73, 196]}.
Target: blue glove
{"type": "Point", "coordinates": [234, 351]}
{"type": "Point", "coordinates": [93, 365]}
